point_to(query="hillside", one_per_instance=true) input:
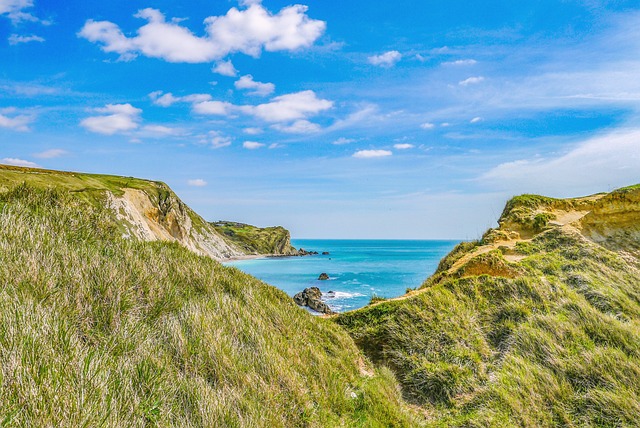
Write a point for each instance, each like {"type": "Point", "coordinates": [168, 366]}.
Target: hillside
{"type": "Point", "coordinates": [99, 330]}
{"type": "Point", "coordinates": [254, 240]}
{"type": "Point", "coordinates": [537, 324]}
{"type": "Point", "coordinates": [142, 209]}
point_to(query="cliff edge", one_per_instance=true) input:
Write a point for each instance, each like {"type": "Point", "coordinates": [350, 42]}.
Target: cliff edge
{"type": "Point", "coordinates": [536, 324]}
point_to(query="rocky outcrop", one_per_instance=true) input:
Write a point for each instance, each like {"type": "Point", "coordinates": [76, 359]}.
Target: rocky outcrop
{"type": "Point", "coordinates": [312, 298]}
{"type": "Point", "coordinates": [273, 241]}
{"type": "Point", "coordinates": [323, 277]}
{"type": "Point", "coordinates": [159, 215]}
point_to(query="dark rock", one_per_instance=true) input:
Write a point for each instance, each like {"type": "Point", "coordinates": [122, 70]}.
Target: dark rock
{"type": "Point", "coordinates": [323, 277]}
{"type": "Point", "coordinates": [330, 294]}
{"type": "Point", "coordinates": [325, 253]}
{"type": "Point", "coordinates": [319, 306]}
{"type": "Point", "coordinates": [311, 297]}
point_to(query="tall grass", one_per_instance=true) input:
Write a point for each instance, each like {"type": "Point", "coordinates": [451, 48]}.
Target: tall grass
{"type": "Point", "coordinates": [96, 330]}
{"type": "Point", "coordinates": [559, 345]}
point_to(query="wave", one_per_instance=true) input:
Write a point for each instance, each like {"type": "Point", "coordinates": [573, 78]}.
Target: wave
{"type": "Point", "coordinates": [341, 295]}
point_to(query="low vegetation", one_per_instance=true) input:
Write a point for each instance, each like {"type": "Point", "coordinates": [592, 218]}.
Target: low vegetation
{"type": "Point", "coordinates": [96, 330]}
{"type": "Point", "coordinates": [555, 342]}
{"type": "Point", "coordinates": [254, 240]}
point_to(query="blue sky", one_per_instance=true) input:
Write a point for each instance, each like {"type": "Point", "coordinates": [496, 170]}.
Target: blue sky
{"type": "Point", "coordinates": [358, 119]}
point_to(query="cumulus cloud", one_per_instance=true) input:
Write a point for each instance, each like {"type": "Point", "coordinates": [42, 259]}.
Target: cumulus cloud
{"type": "Point", "coordinates": [252, 131]}
{"type": "Point", "coordinates": [365, 154]}
{"type": "Point", "coordinates": [50, 154]}
{"type": "Point", "coordinates": [17, 122]}
{"type": "Point", "coordinates": [387, 59]}
{"type": "Point", "coordinates": [612, 160]}
{"type": "Point", "coordinates": [197, 182]}
{"type": "Point", "coordinates": [427, 125]}
{"type": "Point", "coordinates": [19, 162]}
{"type": "Point", "coordinates": [340, 141]}
{"type": "Point", "coordinates": [16, 39]}
{"type": "Point", "coordinates": [298, 127]}
{"type": "Point", "coordinates": [253, 87]}
{"type": "Point", "coordinates": [225, 68]}
{"type": "Point", "coordinates": [403, 146]}
{"type": "Point", "coordinates": [252, 145]}
{"type": "Point", "coordinates": [213, 108]}
{"type": "Point", "coordinates": [115, 118]}
{"type": "Point", "coordinates": [247, 31]}
{"type": "Point", "coordinates": [298, 105]}
{"type": "Point", "coordinates": [471, 81]}
{"type": "Point", "coordinates": [15, 10]}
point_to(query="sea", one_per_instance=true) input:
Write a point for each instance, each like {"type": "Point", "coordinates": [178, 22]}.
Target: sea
{"type": "Point", "coordinates": [357, 269]}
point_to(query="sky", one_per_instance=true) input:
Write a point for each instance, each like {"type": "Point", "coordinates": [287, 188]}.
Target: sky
{"type": "Point", "coordinates": [353, 119]}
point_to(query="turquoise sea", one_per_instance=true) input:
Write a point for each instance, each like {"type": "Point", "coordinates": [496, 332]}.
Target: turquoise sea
{"type": "Point", "coordinates": [358, 269]}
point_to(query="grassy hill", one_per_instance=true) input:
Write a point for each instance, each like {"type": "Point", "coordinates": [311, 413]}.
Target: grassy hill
{"type": "Point", "coordinates": [150, 210]}
{"type": "Point", "coordinates": [98, 330]}
{"type": "Point", "coordinates": [537, 324]}
{"type": "Point", "coordinates": [255, 240]}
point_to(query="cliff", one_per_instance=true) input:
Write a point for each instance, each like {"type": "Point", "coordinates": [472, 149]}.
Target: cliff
{"type": "Point", "coordinates": [150, 211]}
{"type": "Point", "coordinates": [537, 324]}
{"type": "Point", "coordinates": [254, 240]}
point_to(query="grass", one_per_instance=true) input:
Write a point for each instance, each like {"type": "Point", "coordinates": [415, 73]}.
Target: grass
{"type": "Point", "coordinates": [255, 240]}
{"type": "Point", "coordinates": [555, 344]}
{"type": "Point", "coordinates": [96, 330]}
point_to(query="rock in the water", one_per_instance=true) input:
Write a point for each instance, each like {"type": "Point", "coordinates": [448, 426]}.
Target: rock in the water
{"type": "Point", "coordinates": [325, 253]}
{"type": "Point", "coordinates": [319, 306]}
{"type": "Point", "coordinates": [323, 277]}
{"type": "Point", "coordinates": [311, 297]}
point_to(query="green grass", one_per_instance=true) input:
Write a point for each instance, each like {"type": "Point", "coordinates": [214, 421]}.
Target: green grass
{"type": "Point", "coordinates": [96, 330]}
{"type": "Point", "coordinates": [255, 240]}
{"type": "Point", "coordinates": [557, 345]}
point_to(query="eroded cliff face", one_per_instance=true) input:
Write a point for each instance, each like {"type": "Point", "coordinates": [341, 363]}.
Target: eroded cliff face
{"type": "Point", "coordinates": [163, 216]}
{"type": "Point", "coordinates": [255, 240]}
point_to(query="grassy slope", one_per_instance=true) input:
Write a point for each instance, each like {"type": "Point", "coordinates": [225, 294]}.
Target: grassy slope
{"type": "Point", "coordinates": [555, 342]}
{"type": "Point", "coordinates": [100, 331]}
{"type": "Point", "coordinates": [255, 240]}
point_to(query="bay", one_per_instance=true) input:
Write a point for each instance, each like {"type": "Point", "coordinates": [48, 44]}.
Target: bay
{"type": "Point", "coordinates": [358, 269]}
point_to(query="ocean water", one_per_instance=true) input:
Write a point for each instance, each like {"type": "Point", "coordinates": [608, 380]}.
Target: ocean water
{"type": "Point", "coordinates": [358, 269]}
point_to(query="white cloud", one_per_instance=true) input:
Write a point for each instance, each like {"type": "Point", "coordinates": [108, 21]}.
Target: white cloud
{"type": "Point", "coordinates": [197, 182]}
{"type": "Point", "coordinates": [166, 100]}
{"type": "Point", "coordinates": [403, 146]}
{"type": "Point", "coordinates": [298, 105]}
{"type": "Point", "coordinates": [461, 62]}
{"type": "Point", "coordinates": [19, 162]}
{"type": "Point", "coordinates": [252, 145]}
{"type": "Point", "coordinates": [298, 127]}
{"type": "Point", "coordinates": [216, 108]}
{"type": "Point", "coordinates": [15, 39]}
{"type": "Point", "coordinates": [476, 120]}
{"type": "Point", "coordinates": [255, 88]}
{"type": "Point", "coordinates": [427, 125]}
{"type": "Point", "coordinates": [611, 160]}
{"type": "Point", "coordinates": [252, 131]}
{"type": "Point", "coordinates": [14, 9]}
{"type": "Point", "coordinates": [117, 118]}
{"type": "Point", "coordinates": [471, 81]}
{"type": "Point", "coordinates": [220, 142]}
{"type": "Point", "coordinates": [340, 141]}
{"type": "Point", "coordinates": [365, 154]}
{"type": "Point", "coordinates": [445, 124]}
{"type": "Point", "coordinates": [275, 146]}
{"type": "Point", "coordinates": [162, 130]}
{"type": "Point", "coordinates": [225, 68]}
{"type": "Point", "coordinates": [387, 59]}
{"type": "Point", "coordinates": [248, 31]}
{"type": "Point", "coordinates": [50, 154]}
{"type": "Point", "coordinates": [19, 122]}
